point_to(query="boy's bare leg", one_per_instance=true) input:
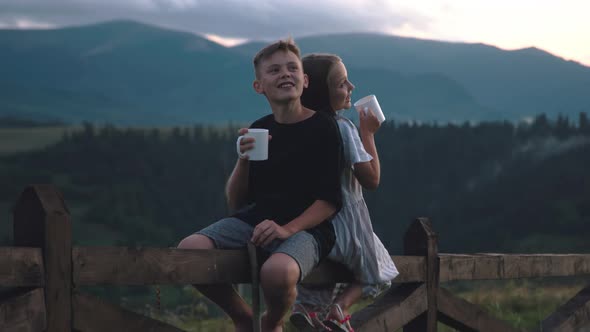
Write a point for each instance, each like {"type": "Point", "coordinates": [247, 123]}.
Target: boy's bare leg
{"type": "Point", "coordinates": [278, 277]}
{"type": "Point", "coordinates": [223, 295]}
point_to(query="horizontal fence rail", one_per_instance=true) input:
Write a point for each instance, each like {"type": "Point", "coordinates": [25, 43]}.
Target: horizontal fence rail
{"type": "Point", "coordinates": [22, 267]}
{"type": "Point", "coordinates": [512, 266]}
{"type": "Point", "coordinates": [146, 266]}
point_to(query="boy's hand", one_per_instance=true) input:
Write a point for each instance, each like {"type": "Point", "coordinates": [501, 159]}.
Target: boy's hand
{"type": "Point", "coordinates": [368, 122]}
{"type": "Point", "coordinates": [265, 232]}
{"type": "Point", "coordinates": [247, 143]}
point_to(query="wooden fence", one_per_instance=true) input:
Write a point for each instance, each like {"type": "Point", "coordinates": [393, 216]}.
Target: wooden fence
{"type": "Point", "coordinates": [41, 274]}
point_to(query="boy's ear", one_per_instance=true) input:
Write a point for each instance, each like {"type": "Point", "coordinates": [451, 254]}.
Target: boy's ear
{"type": "Point", "coordinates": [257, 86]}
{"type": "Point", "coordinates": [305, 80]}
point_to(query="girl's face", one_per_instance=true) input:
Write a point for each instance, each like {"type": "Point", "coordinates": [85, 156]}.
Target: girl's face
{"type": "Point", "coordinates": [339, 87]}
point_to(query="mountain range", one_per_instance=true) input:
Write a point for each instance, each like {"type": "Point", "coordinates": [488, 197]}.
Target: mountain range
{"type": "Point", "coordinates": [130, 73]}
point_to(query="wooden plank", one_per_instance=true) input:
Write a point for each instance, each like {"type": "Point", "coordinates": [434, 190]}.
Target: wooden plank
{"type": "Point", "coordinates": [511, 266]}
{"type": "Point", "coordinates": [145, 266]}
{"type": "Point", "coordinates": [573, 316]}
{"type": "Point", "coordinates": [420, 239]}
{"type": "Point", "coordinates": [150, 266]}
{"type": "Point", "coordinates": [411, 269]}
{"type": "Point", "coordinates": [95, 315]}
{"type": "Point", "coordinates": [254, 272]}
{"type": "Point", "coordinates": [396, 308]}
{"type": "Point", "coordinates": [24, 312]}
{"type": "Point", "coordinates": [432, 277]}
{"type": "Point", "coordinates": [58, 273]}
{"type": "Point", "coordinates": [42, 220]}
{"type": "Point", "coordinates": [117, 265]}
{"type": "Point", "coordinates": [465, 316]}
{"type": "Point", "coordinates": [21, 267]}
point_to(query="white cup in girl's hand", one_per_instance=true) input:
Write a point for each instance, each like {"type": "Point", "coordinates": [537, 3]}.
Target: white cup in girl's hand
{"type": "Point", "coordinates": [260, 149]}
{"type": "Point", "coordinates": [370, 103]}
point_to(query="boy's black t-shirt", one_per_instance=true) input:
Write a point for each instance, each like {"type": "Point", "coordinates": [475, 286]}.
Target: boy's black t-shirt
{"type": "Point", "coordinates": [304, 165]}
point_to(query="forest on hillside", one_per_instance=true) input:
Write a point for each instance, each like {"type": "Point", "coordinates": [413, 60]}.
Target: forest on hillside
{"type": "Point", "coordinates": [492, 186]}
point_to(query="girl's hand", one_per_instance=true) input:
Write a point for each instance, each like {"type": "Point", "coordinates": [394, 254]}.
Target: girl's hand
{"type": "Point", "coordinates": [368, 122]}
{"type": "Point", "coordinates": [265, 232]}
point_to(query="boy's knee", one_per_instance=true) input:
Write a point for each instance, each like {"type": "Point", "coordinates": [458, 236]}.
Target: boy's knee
{"type": "Point", "coordinates": [196, 241]}
{"type": "Point", "coordinates": [280, 270]}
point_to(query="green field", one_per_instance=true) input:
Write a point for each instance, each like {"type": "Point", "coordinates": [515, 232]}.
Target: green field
{"type": "Point", "coordinates": [14, 140]}
{"type": "Point", "coordinates": [521, 303]}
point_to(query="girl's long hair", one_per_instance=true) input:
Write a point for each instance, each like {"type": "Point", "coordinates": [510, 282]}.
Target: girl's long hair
{"type": "Point", "coordinates": [317, 66]}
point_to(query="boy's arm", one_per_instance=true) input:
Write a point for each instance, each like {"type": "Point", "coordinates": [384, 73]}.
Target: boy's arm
{"type": "Point", "coordinates": [236, 188]}
{"type": "Point", "coordinates": [315, 214]}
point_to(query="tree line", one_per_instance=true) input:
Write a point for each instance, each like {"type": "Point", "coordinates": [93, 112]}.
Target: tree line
{"type": "Point", "coordinates": [487, 186]}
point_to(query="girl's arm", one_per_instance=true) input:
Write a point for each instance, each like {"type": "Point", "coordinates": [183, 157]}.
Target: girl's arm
{"type": "Point", "coordinates": [368, 173]}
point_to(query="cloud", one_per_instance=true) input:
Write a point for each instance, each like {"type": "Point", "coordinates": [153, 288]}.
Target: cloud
{"type": "Point", "coordinates": [259, 19]}
{"type": "Point", "coordinates": [543, 148]}
{"type": "Point", "coordinates": [23, 23]}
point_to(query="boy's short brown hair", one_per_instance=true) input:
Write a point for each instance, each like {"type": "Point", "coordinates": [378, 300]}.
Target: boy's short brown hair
{"type": "Point", "coordinates": [287, 45]}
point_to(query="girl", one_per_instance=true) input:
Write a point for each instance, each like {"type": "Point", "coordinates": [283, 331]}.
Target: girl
{"type": "Point", "coordinates": [357, 246]}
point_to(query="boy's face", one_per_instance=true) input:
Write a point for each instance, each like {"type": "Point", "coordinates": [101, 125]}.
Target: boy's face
{"type": "Point", "coordinates": [280, 77]}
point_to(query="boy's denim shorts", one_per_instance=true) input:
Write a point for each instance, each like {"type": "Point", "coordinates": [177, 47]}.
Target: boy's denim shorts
{"type": "Point", "coordinates": [233, 233]}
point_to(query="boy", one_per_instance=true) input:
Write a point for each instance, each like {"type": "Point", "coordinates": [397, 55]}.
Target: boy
{"type": "Point", "coordinates": [283, 204]}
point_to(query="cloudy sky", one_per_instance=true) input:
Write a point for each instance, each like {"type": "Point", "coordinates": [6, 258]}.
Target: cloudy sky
{"type": "Point", "coordinates": [561, 27]}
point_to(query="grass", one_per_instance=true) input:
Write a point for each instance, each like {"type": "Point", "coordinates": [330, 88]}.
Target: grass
{"type": "Point", "coordinates": [13, 140]}
{"type": "Point", "coordinates": [521, 303]}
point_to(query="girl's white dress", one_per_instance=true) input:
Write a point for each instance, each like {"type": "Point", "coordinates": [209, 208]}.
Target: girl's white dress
{"type": "Point", "coordinates": [357, 246]}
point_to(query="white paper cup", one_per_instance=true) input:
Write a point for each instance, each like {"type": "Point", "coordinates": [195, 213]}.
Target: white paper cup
{"type": "Point", "coordinates": [370, 103]}
{"type": "Point", "coordinates": [260, 150]}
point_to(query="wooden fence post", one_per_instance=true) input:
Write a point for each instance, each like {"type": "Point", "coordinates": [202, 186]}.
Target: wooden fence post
{"type": "Point", "coordinates": [42, 220]}
{"type": "Point", "coordinates": [420, 240]}
{"type": "Point", "coordinates": [255, 273]}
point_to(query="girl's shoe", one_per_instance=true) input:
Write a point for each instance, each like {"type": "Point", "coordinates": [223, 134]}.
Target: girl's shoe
{"type": "Point", "coordinates": [306, 321]}
{"type": "Point", "coordinates": [338, 323]}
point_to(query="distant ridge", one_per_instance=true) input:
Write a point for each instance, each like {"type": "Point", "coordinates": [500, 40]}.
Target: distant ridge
{"type": "Point", "coordinates": [128, 72]}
